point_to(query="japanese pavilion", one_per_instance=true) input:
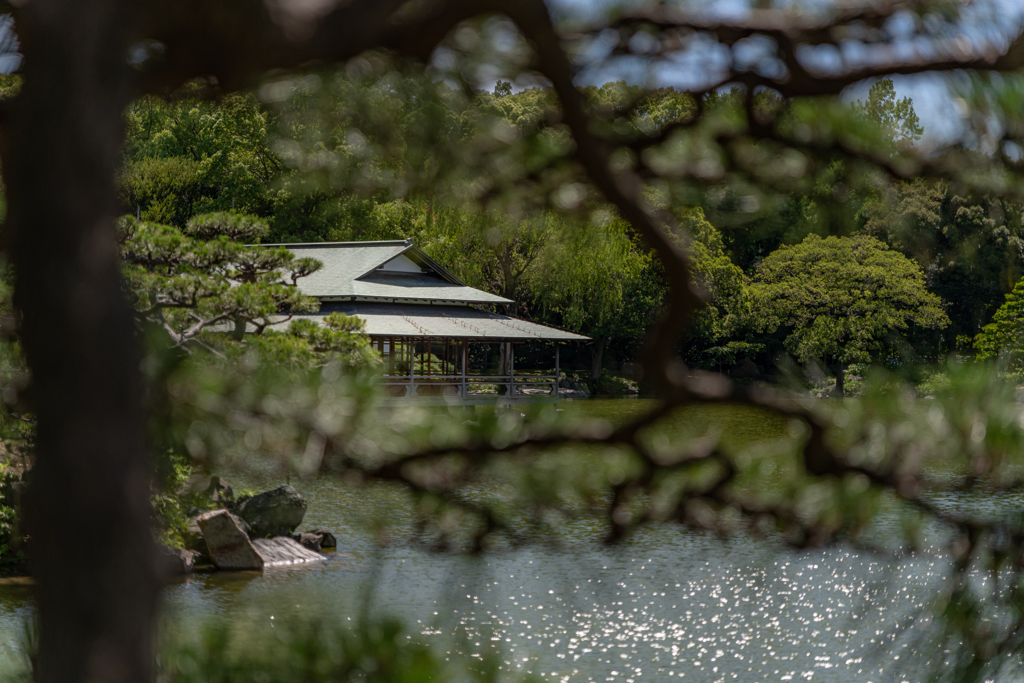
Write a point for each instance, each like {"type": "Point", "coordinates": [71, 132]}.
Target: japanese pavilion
{"type": "Point", "coordinates": [441, 341]}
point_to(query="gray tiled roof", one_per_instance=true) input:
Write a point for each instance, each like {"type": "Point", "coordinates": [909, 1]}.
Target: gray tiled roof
{"type": "Point", "coordinates": [349, 271]}
{"type": "Point", "coordinates": [418, 320]}
{"type": "Point", "coordinates": [420, 287]}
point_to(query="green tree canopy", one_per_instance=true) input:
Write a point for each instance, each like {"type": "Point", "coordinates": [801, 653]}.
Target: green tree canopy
{"type": "Point", "coordinates": [723, 283]}
{"type": "Point", "coordinates": [597, 280]}
{"type": "Point", "coordinates": [971, 247]}
{"type": "Point", "coordinates": [213, 293]}
{"type": "Point", "coordinates": [191, 155]}
{"type": "Point", "coordinates": [843, 297]}
{"type": "Point", "coordinates": [1003, 338]}
{"type": "Point", "coordinates": [896, 119]}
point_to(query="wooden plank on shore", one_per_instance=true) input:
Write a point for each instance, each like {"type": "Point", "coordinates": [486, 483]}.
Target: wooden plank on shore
{"type": "Point", "coordinates": [282, 550]}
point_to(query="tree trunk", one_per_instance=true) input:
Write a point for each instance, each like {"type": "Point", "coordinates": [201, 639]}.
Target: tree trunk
{"type": "Point", "coordinates": [87, 510]}
{"type": "Point", "coordinates": [505, 352]}
{"type": "Point", "coordinates": [597, 356]}
{"type": "Point", "coordinates": [840, 377]}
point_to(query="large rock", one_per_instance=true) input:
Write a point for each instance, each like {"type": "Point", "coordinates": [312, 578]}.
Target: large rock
{"type": "Point", "coordinates": [228, 545]}
{"type": "Point", "coordinates": [193, 536]}
{"type": "Point", "coordinates": [273, 513]}
{"type": "Point", "coordinates": [327, 539]}
{"type": "Point", "coordinates": [309, 541]}
{"type": "Point", "coordinates": [280, 551]}
{"type": "Point", "coordinates": [176, 561]}
{"type": "Point", "coordinates": [317, 539]}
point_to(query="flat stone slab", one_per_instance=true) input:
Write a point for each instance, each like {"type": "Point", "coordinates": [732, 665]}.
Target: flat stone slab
{"type": "Point", "coordinates": [283, 550]}
{"type": "Point", "coordinates": [228, 544]}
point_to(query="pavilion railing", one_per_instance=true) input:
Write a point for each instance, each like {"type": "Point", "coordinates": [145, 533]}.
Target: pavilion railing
{"type": "Point", "coordinates": [458, 386]}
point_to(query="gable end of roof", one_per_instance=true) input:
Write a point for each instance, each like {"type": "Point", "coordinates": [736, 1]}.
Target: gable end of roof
{"type": "Point", "coordinates": [419, 256]}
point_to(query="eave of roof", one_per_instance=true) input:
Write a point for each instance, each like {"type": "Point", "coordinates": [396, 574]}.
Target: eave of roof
{"type": "Point", "coordinates": [451, 322]}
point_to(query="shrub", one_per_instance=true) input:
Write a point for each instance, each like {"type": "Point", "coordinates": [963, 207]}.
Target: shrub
{"type": "Point", "coordinates": [610, 385]}
{"type": "Point", "coordinates": [13, 559]}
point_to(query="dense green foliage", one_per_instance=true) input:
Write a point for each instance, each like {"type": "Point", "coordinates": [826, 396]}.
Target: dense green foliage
{"type": "Point", "coordinates": [843, 298]}
{"type": "Point", "coordinates": [13, 556]}
{"type": "Point", "coordinates": [724, 286]}
{"type": "Point", "coordinates": [1003, 338]}
{"type": "Point", "coordinates": [895, 119]}
{"type": "Point", "coordinates": [190, 156]}
{"type": "Point", "coordinates": [205, 289]}
{"type": "Point", "coordinates": [972, 249]}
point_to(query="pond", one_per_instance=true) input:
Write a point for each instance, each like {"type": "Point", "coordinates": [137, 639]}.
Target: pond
{"type": "Point", "coordinates": [669, 604]}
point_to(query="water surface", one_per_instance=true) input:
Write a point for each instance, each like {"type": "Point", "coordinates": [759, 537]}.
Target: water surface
{"type": "Point", "coordinates": [669, 604]}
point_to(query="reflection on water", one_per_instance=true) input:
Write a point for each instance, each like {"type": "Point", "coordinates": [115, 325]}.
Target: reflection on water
{"type": "Point", "coordinates": [669, 604]}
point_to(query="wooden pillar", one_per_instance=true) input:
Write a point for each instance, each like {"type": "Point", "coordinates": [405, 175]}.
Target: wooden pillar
{"type": "Point", "coordinates": [511, 371]}
{"type": "Point", "coordinates": [391, 356]}
{"type": "Point", "coordinates": [558, 373]}
{"type": "Point", "coordinates": [465, 367]}
{"type": "Point", "coordinates": [412, 367]}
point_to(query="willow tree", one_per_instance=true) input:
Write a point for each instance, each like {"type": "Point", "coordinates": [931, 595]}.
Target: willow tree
{"type": "Point", "coordinates": [598, 281]}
